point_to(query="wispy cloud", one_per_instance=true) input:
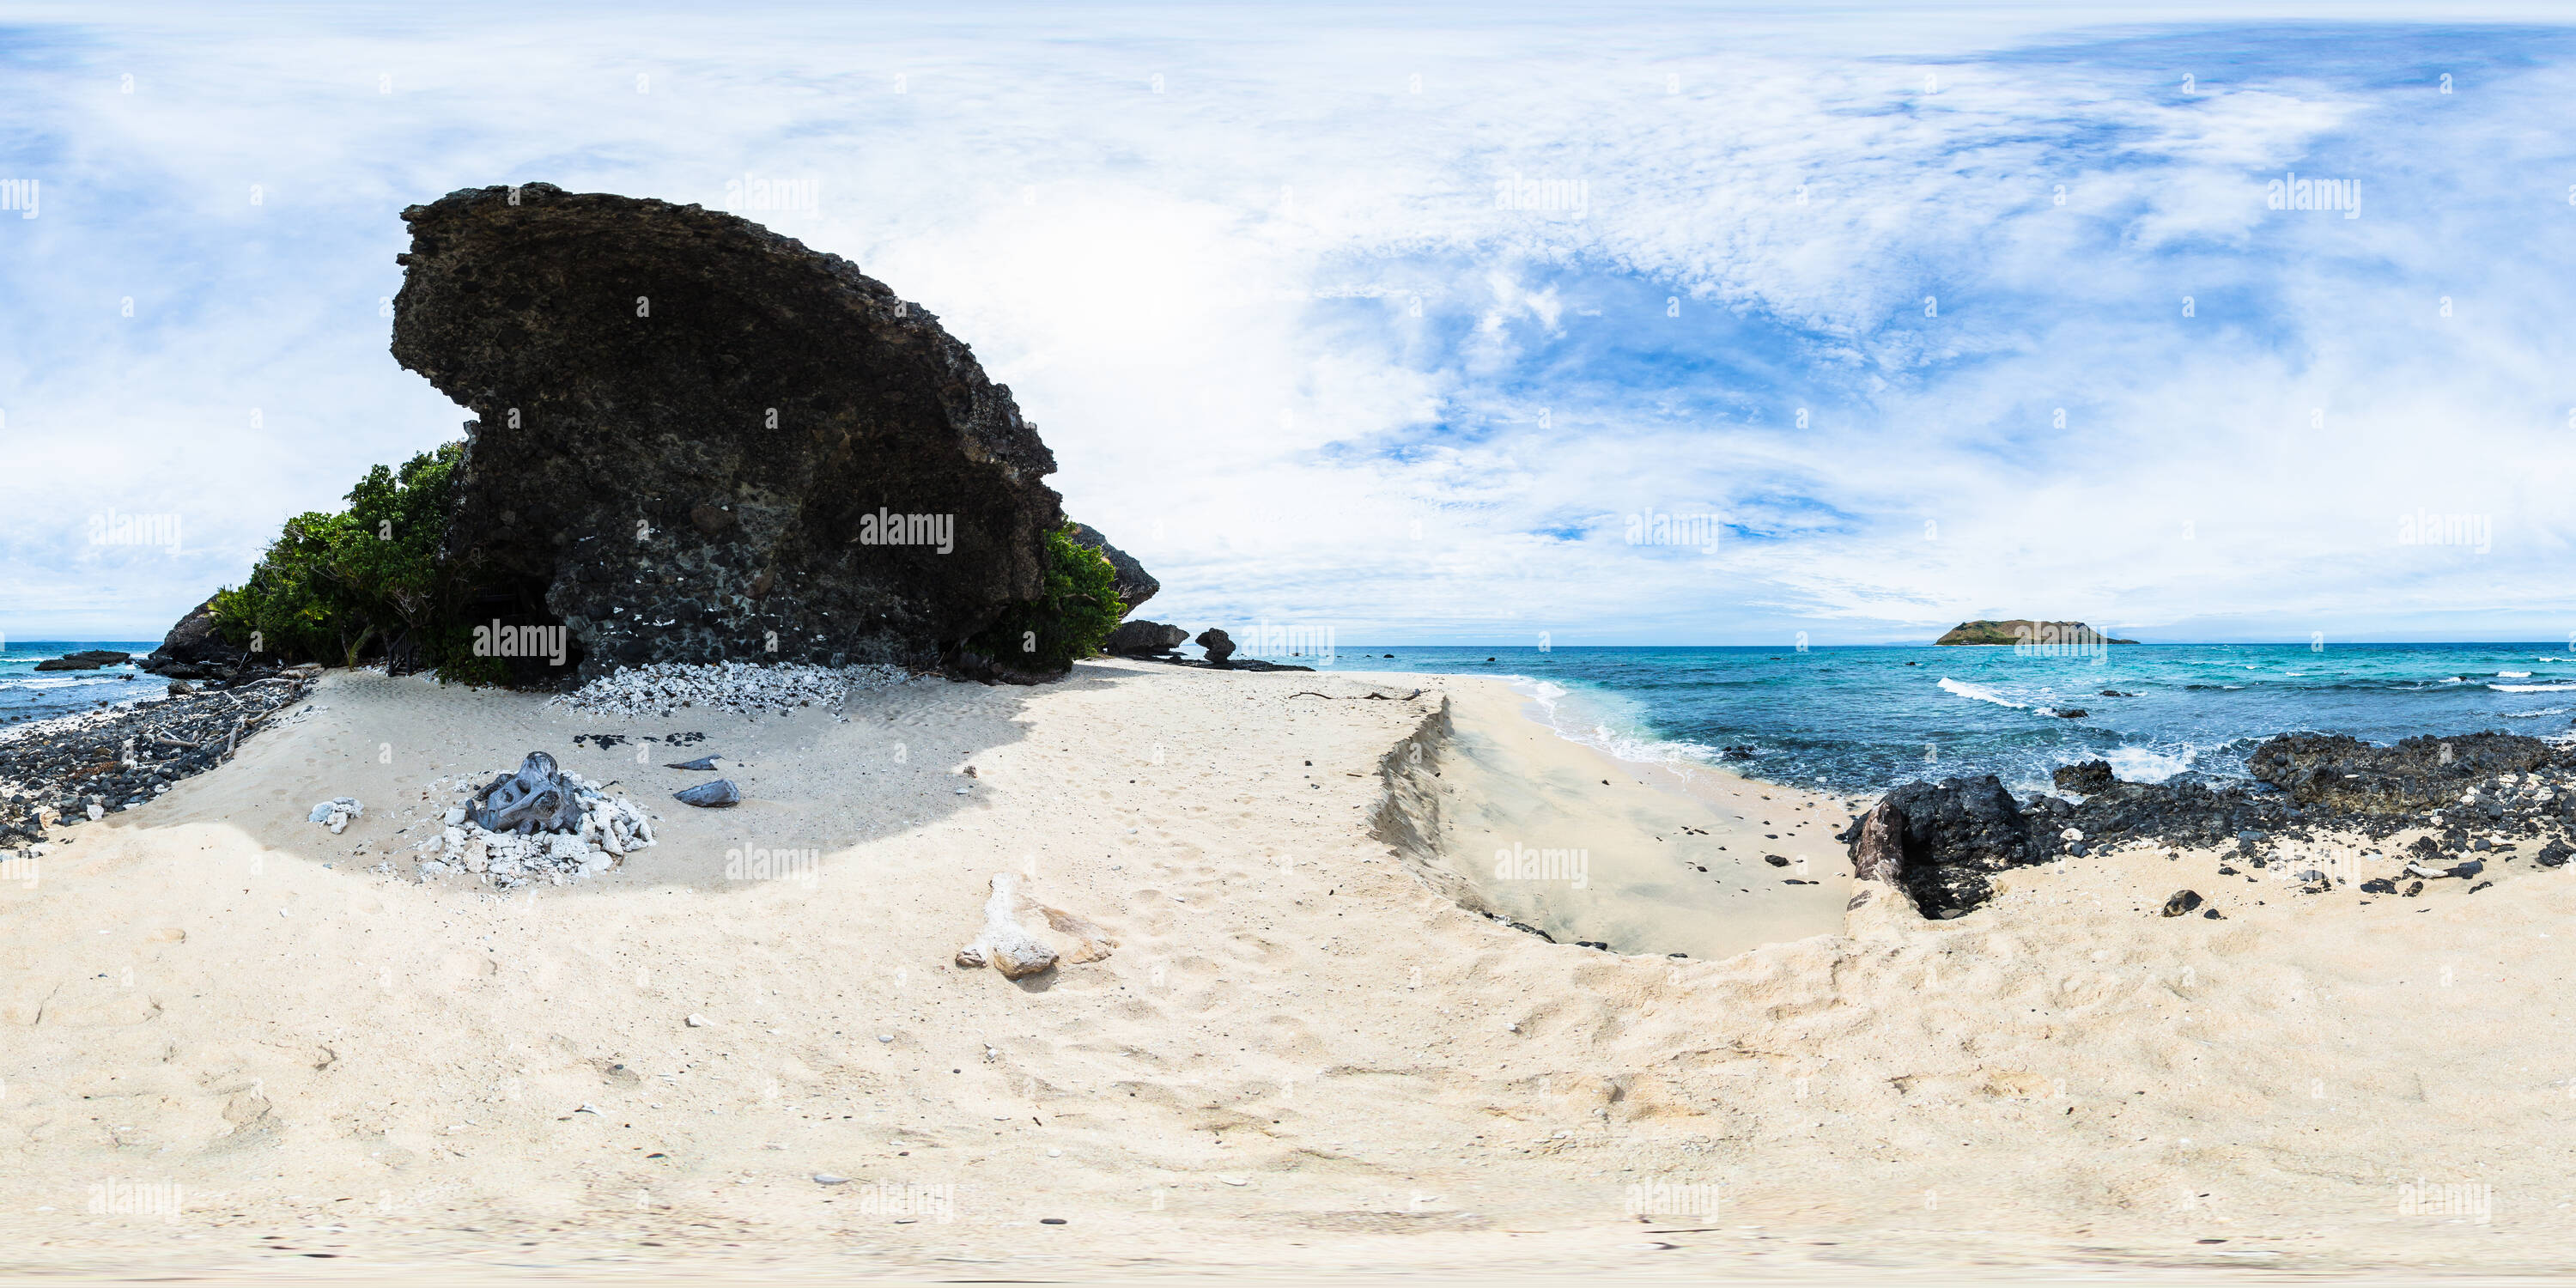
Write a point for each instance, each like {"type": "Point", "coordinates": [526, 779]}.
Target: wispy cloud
{"type": "Point", "coordinates": [1393, 323]}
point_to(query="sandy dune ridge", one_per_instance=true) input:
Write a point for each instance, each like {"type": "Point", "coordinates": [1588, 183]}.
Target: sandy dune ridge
{"type": "Point", "coordinates": [1299, 1059]}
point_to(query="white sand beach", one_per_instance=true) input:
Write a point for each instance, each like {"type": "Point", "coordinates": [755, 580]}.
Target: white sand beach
{"type": "Point", "coordinates": [1303, 1058]}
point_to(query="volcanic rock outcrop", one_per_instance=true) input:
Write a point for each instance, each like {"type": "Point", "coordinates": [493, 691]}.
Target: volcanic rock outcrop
{"type": "Point", "coordinates": [1943, 842]}
{"type": "Point", "coordinates": [1141, 638]}
{"type": "Point", "coordinates": [1135, 585]}
{"type": "Point", "coordinates": [89, 659]}
{"type": "Point", "coordinates": [696, 440]}
{"type": "Point", "coordinates": [194, 650]}
{"type": "Point", "coordinates": [2346, 773]}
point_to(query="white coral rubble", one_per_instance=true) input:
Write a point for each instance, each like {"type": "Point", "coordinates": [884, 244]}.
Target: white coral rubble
{"type": "Point", "coordinates": [611, 828]}
{"type": "Point", "coordinates": [662, 688]}
{"type": "Point", "coordinates": [335, 813]}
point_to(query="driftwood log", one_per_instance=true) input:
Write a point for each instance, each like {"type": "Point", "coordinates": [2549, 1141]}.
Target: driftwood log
{"type": "Point", "coordinates": [536, 799]}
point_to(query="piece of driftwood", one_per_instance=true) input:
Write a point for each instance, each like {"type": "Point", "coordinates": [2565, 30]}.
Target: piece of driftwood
{"type": "Point", "coordinates": [1004, 943]}
{"type": "Point", "coordinates": [536, 799]}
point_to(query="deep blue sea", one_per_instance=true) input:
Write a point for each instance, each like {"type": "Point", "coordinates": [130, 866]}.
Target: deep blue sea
{"type": "Point", "coordinates": [1861, 718]}
{"type": "Point", "coordinates": [26, 695]}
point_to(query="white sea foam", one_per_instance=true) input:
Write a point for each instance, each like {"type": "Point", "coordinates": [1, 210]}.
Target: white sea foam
{"type": "Point", "coordinates": [73, 680]}
{"type": "Point", "coordinates": [2513, 675]}
{"type": "Point", "coordinates": [1981, 693]}
{"type": "Point", "coordinates": [1586, 728]}
{"type": "Point", "coordinates": [2544, 711]}
{"type": "Point", "coordinates": [2531, 688]}
{"type": "Point", "coordinates": [2147, 765]}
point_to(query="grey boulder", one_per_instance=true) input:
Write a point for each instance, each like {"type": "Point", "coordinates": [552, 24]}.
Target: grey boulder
{"type": "Point", "coordinates": [720, 794]}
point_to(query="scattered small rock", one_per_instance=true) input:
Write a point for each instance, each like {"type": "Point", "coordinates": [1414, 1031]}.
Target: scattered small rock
{"type": "Point", "coordinates": [720, 794]}
{"type": "Point", "coordinates": [335, 813]}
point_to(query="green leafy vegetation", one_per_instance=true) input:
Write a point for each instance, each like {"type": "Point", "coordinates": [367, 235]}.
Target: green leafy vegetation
{"type": "Point", "coordinates": [1069, 620]}
{"type": "Point", "coordinates": [339, 587]}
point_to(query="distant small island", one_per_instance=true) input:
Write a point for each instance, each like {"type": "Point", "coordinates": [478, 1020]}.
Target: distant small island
{"type": "Point", "coordinates": [2022, 630]}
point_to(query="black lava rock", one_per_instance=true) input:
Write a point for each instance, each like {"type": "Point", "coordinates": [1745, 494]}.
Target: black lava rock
{"type": "Point", "coordinates": [2090, 777]}
{"type": "Point", "coordinates": [694, 439]}
{"type": "Point", "coordinates": [1958, 833]}
{"type": "Point", "coordinates": [2416, 773]}
{"type": "Point", "coordinates": [1141, 638]}
{"type": "Point", "coordinates": [2183, 901]}
{"type": "Point", "coordinates": [194, 650]}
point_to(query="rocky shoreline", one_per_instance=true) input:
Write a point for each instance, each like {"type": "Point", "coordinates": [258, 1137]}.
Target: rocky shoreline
{"type": "Point", "coordinates": [2476, 798]}
{"type": "Point", "coordinates": [91, 764]}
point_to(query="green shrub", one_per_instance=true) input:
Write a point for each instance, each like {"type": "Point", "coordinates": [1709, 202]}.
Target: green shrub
{"type": "Point", "coordinates": [332, 586]}
{"type": "Point", "coordinates": [1069, 620]}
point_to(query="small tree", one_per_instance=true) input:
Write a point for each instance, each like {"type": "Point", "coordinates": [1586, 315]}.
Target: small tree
{"type": "Point", "coordinates": [1070, 619]}
{"type": "Point", "coordinates": [331, 585]}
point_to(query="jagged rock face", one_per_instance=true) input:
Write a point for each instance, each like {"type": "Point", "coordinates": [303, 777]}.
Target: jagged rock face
{"type": "Point", "coordinates": [1141, 638]}
{"type": "Point", "coordinates": [1135, 585]}
{"type": "Point", "coordinates": [2346, 773]}
{"type": "Point", "coordinates": [696, 440]}
{"type": "Point", "coordinates": [2088, 777]}
{"type": "Point", "coordinates": [193, 650]}
{"type": "Point", "coordinates": [1956, 835]}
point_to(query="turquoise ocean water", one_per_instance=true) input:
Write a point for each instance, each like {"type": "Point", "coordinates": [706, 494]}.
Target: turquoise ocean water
{"type": "Point", "coordinates": [1859, 718]}
{"type": "Point", "coordinates": [26, 694]}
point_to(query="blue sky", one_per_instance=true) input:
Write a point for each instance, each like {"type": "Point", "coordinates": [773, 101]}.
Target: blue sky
{"type": "Point", "coordinates": [1394, 322]}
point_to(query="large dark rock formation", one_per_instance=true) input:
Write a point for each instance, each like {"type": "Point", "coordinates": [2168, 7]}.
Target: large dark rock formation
{"type": "Point", "coordinates": [694, 439]}
{"type": "Point", "coordinates": [1141, 638]}
{"type": "Point", "coordinates": [1952, 836]}
{"type": "Point", "coordinates": [194, 650]}
{"type": "Point", "coordinates": [1135, 585]}
{"type": "Point", "coordinates": [88, 659]}
{"type": "Point", "coordinates": [2345, 773]}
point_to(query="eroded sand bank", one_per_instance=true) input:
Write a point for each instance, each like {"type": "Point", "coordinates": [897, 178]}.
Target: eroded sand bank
{"type": "Point", "coordinates": [1299, 1059]}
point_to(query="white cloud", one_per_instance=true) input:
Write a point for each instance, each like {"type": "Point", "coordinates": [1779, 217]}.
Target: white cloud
{"type": "Point", "coordinates": [1205, 296]}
